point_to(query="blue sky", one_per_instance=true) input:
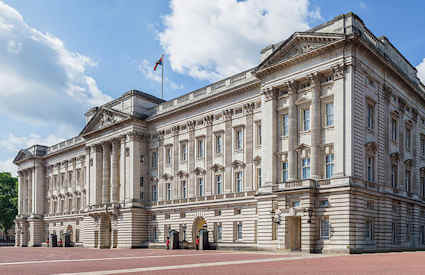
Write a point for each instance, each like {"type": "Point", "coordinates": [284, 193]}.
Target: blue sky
{"type": "Point", "coordinates": [59, 58]}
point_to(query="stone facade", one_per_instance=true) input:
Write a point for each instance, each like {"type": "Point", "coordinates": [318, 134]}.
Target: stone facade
{"type": "Point", "coordinates": [321, 147]}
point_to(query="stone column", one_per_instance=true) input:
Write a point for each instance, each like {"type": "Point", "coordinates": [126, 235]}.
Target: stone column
{"type": "Point", "coordinates": [30, 189]}
{"type": "Point", "coordinates": [39, 196]}
{"type": "Point", "coordinates": [115, 171]}
{"type": "Point", "coordinates": [228, 150]}
{"type": "Point", "coordinates": [21, 182]}
{"type": "Point", "coordinates": [191, 180]}
{"type": "Point", "coordinates": [316, 127]}
{"type": "Point", "coordinates": [269, 148]}
{"type": "Point", "coordinates": [106, 194]}
{"type": "Point", "coordinates": [133, 185]}
{"type": "Point", "coordinates": [176, 150]}
{"type": "Point", "coordinates": [292, 132]}
{"type": "Point", "coordinates": [341, 137]}
{"type": "Point", "coordinates": [209, 157]}
{"type": "Point", "coordinates": [249, 179]}
{"type": "Point", "coordinates": [123, 171]}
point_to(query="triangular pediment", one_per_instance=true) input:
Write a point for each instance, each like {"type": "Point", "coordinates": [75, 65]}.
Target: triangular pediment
{"type": "Point", "coordinates": [298, 44]}
{"type": "Point", "coordinates": [104, 118]}
{"type": "Point", "coordinates": [22, 154]}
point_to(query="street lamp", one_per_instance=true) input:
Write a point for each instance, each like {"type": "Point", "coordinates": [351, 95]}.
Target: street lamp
{"type": "Point", "coordinates": [310, 213]}
{"type": "Point", "coordinates": [276, 216]}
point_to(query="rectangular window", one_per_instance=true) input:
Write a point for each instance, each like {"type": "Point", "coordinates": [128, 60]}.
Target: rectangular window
{"type": "Point", "coordinates": [329, 114]}
{"type": "Point", "coordinates": [284, 171]}
{"type": "Point", "coordinates": [324, 228]}
{"type": "Point", "coordinates": [370, 116]}
{"type": "Point", "coordinates": [423, 145]}
{"type": "Point", "coordinates": [154, 193]}
{"type": "Point", "coordinates": [285, 125]}
{"type": "Point", "coordinates": [239, 236]}
{"type": "Point", "coordinates": [168, 155]}
{"type": "Point", "coordinates": [200, 148]}
{"type": "Point", "coordinates": [369, 229]}
{"type": "Point", "coordinates": [219, 184]}
{"type": "Point", "coordinates": [154, 159]}
{"type": "Point", "coordinates": [408, 180]}
{"type": "Point", "coordinates": [184, 189]}
{"type": "Point", "coordinates": [422, 186]}
{"type": "Point", "coordinates": [168, 191]}
{"type": "Point", "coordinates": [258, 139]}
{"type": "Point", "coordinates": [238, 139]}
{"type": "Point", "coordinates": [324, 203]}
{"type": "Point", "coordinates": [142, 188]}
{"type": "Point", "coordinates": [306, 119]}
{"type": "Point", "coordinates": [259, 177]}
{"type": "Point", "coordinates": [296, 204]}
{"type": "Point", "coordinates": [394, 233]}
{"type": "Point", "coordinates": [371, 169]}
{"type": "Point", "coordinates": [394, 175]}
{"type": "Point", "coordinates": [218, 144]}
{"type": "Point", "coordinates": [219, 232]}
{"type": "Point", "coordinates": [238, 182]}
{"type": "Point", "coordinates": [329, 165]}
{"type": "Point", "coordinates": [306, 168]}
{"type": "Point", "coordinates": [394, 129]}
{"type": "Point", "coordinates": [408, 139]}
{"type": "Point", "coordinates": [184, 151]}
{"type": "Point", "coordinates": [201, 186]}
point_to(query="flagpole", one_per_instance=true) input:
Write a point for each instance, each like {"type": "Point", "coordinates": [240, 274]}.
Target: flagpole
{"type": "Point", "coordinates": [162, 79]}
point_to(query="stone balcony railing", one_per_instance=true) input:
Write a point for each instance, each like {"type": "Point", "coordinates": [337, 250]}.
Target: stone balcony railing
{"type": "Point", "coordinates": [298, 184]}
{"type": "Point", "coordinates": [204, 198]}
{"type": "Point", "coordinates": [215, 88]}
{"type": "Point", "coordinates": [65, 144]}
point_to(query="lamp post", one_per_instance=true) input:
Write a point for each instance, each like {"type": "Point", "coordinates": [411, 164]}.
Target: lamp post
{"type": "Point", "coordinates": [276, 216]}
{"type": "Point", "coordinates": [309, 212]}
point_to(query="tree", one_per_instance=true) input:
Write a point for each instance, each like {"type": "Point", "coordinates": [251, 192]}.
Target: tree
{"type": "Point", "coordinates": [8, 201]}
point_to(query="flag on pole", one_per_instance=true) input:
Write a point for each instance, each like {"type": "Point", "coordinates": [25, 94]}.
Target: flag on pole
{"type": "Point", "coordinates": [159, 62]}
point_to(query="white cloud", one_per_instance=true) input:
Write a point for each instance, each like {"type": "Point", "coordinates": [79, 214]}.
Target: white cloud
{"type": "Point", "coordinates": [211, 39]}
{"type": "Point", "coordinates": [14, 143]}
{"type": "Point", "coordinates": [8, 166]}
{"type": "Point", "coordinates": [421, 71]}
{"type": "Point", "coordinates": [41, 81]}
{"type": "Point", "coordinates": [146, 68]}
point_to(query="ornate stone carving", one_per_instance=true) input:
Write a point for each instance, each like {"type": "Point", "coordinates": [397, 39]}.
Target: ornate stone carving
{"type": "Point", "coordinates": [270, 93]}
{"type": "Point", "coordinates": [191, 124]}
{"type": "Point", "coordinates": [314, 79]}
{"type": "Point", "coordinates": [395, 157]}
{"type": "Point", "coordinates": [387, 92]}
{"type": "Point", "coordinates": [209, 119]}
{"type": "Point", "coordinates": [107, 118]}
{"type": "Point", "coordinates": [371, 147]}
{"type": "Point", "coordinates": [238, 164]}
{"type": "Point", "coordinates": [292, 86]}
{"type": "Point", "coordinates": [228, 114]}
{"type": "Point", "coordinates": [199, 171]}
{"type": "Point", "coordinates": [249, 107]}
{"type": "Point", "coordinates": [338, 71]}
{"type": "Point", "coordinates": [401, 104]}
{"type": "Point", "coordinates": [217, 167]}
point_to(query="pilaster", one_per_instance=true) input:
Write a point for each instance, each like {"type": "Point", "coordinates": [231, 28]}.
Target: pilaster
{"type": "Point", "coordinates": [133, 186]}
{"type": "Point", "coordinates": [341, 109]}
{"type": "Point", "coordinates": [269, 148]}
{"type": "Point", "coordinates": [316, 137]}
{"type": "Point", "coordinates": [292, 132]}
{"type": "Point", "coordinates": [228, 149]}
{"type": "Point", "coordinates": [115, 171]}
{"type": "Point", "coordinates": [106, 194]}
{"type": "Point", "coordinates": [209, 159]}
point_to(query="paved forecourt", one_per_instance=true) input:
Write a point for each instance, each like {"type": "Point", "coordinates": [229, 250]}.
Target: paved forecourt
{"type": "Point", "coordinates": [152, 261]}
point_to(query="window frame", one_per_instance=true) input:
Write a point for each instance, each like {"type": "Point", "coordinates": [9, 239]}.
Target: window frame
{"type": "Point", "coordinates": [305, 169]}
{"type": "Point", "coordinates": [324, 220]}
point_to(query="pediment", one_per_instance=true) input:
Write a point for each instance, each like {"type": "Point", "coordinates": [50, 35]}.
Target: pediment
{"type": "Point", "coordinates": [104, 118]}
{"type": "Point", "coordinates": [22, 154]}
{"type": "Point", "coordinates": [298, 44]}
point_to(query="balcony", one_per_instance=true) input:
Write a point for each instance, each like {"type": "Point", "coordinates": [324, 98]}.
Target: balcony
{"type": "Point", "coordinates": [298, 184]}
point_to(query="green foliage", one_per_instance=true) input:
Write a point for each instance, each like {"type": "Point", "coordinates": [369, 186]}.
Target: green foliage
{"type": "Point", "coordinates": [8, 201]}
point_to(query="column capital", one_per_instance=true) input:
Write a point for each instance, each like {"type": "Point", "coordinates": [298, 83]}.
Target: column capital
{"type": "Point", "coordinates": [338, 71]}
{"type": "Point", "coordinates": [115, 145]}
{"type": "Point", "coordinates": [314, 79]}
{"type": "Point", "coordinates": [228, 114]}
{"type": "Point", "coordinates": [292, 86]}
{"type": "Point", "coordinates": [270, 93]}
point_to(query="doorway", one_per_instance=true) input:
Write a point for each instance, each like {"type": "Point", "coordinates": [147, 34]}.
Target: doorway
{"type": "Point", "coordinates": [198, 224]}
{"type": "Point", "coordinates": [293, 233]}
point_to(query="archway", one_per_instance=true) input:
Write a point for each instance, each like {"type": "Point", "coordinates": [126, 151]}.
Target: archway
{"type": "Point", "coordinates": [105, 232]}
{"type": "Point", "coordinates": [198, 224]}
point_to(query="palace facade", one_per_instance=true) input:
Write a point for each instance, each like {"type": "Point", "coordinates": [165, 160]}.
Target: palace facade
{"type": "Point", "coordinates": [321, 147]}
